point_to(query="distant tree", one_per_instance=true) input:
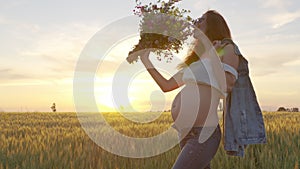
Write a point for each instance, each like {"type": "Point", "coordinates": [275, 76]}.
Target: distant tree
{"type": "Point", "coordinates": [295, 109]}
{"type": "Point", "coordinates": [282, 109]}
{"type": "Point", "coordinates": [53, 107]}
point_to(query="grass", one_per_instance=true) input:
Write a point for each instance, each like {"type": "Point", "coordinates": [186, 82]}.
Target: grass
{"type": "Point", "coordinates": [57, 140]}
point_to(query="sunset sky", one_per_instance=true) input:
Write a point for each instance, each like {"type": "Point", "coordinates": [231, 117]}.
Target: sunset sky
{"type": "Point", "coordinates": [41, 42]}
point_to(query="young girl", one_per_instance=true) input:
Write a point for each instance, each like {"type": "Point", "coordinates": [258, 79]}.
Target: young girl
{"type": "Point", "coordinates": [195, 107]}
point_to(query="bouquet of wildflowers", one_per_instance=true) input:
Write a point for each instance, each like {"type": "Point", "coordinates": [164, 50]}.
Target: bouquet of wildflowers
{"type": "Point", "coordinates": [163, 29]}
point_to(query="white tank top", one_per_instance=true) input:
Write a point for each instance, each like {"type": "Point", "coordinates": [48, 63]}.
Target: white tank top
{"type": "Point", "coordinates": [200, 72]}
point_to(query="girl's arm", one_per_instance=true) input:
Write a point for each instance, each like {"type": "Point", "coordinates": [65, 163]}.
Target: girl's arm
{"type": "Point", "coordinates": [166, 85]}
{"type": "Point", "coordinates": [232, 60]}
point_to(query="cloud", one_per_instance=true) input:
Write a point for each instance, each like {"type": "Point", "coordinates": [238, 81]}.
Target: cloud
{"type": "Point", "coordinates": [284, 18]}
{"type": "Point", "coordinates": [52, 53]}
{"type": "Point", "coordinates": [10, 74]}
{"type": "Point", "coordinates": [293, 63]}
{"type": "Point", "coordinates": [57, 48]}
{"type": "Point", "coordinates": [5, 70]}
{"type": "Point", "coordinates": [12, 4]}
{"type": "Point", "coordinates": [11, 77]}
{"type": "Point", "coordinates": [270, 64]}
{"type": "Point", "coordinates": [274, 3]}
{"type": "Point", "coordinates": [2, 20]}
{"type": "Point", "coordinates": [16, 26]}
{"type": "Point", "coordinates": [280, 12]}
{"type": "Point", "coordinates": [34, 28]}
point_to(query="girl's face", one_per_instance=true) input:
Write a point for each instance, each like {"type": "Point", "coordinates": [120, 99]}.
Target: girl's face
{"type": "Point", "coordinates": [200, 23]}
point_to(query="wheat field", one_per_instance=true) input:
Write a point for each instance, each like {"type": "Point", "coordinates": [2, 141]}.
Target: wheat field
{"type": "Point", "coordinates": [57, 140]}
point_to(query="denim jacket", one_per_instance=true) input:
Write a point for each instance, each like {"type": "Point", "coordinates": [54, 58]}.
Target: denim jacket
{"type": "Point", "coordinates": [243, 120]}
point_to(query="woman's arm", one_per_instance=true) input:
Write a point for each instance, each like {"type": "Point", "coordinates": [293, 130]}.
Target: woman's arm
{"type": "Point", "coordinates": [232, 60]}
{"type": "Point", "coordinates": [166, 85]}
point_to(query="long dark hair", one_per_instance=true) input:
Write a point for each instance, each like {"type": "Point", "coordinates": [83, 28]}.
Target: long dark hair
{"type": "Point", "coordinates": [216, 29]}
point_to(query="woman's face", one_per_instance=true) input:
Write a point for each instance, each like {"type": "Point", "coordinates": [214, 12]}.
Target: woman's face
{"type": "Point", "coordinates": [200, 23]}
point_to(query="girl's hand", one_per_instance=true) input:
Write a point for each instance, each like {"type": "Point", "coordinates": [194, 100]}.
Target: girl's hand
{"type": "Point", "coordinates": [144, 55]}
{"type": "Point", "coordinates": [133, 56]}
{"type": "Point", "coordinates": [219, 47]}
{"type": "Point", "coordinates": [218, 44]}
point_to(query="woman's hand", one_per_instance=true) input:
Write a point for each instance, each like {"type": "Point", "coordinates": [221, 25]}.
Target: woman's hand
{"type": "Point", "coordinates": [144, 55]}
{"type": "Point", "coordinates": [218, 45]}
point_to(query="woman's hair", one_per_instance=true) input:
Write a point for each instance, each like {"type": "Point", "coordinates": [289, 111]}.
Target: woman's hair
{"type": "Point", "coordinates": [216, 29]}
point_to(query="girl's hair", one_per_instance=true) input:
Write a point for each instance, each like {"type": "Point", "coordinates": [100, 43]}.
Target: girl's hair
{"type": "Point", "coordinates": [216, 29]}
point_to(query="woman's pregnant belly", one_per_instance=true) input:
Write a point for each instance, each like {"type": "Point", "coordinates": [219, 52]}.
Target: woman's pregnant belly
{"type": "Point", "coordinates": [194, 105]}
{"type": "Point", "coordinates": [176, 105]}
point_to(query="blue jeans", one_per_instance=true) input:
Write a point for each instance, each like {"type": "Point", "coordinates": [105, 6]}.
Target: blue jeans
{"type": "Point", "coordinates": [195, 155]}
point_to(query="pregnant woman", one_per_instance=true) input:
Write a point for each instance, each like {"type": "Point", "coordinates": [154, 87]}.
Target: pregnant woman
{"type": "Point", "coordinates": [194, 109]}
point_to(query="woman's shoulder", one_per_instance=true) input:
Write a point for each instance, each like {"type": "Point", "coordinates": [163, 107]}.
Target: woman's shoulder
{"type": "Point", "coordinates": [229, 50]}
{"type": "Point", "coordinates": [230, 45]}
{"type": "Point", "coordinates": [230, 56]}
